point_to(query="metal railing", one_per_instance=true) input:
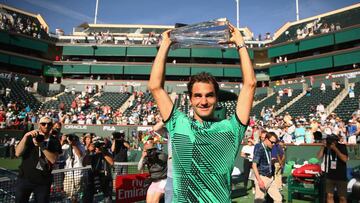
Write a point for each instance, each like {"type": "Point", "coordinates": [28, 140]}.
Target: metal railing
{"type": "Point", "coordinates": [68, 184]}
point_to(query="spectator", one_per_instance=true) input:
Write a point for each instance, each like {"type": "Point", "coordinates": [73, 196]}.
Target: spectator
{"type": "Point", "coordinates": [323, 87]}
{"type": "Point", "coordinates": [247, 152]}
{"type": "Point", "coordinates": [309, 136]}
{"type": "Point", "coordinates": [299, 134]}
{"type": "Point", "coordinates": [67, 90]}
{"type": "Point", "coordinates": [7, 92]}
{"type": "Point", "coordinates": [263, 171]}
{"type": "Point", "coordinates": [320, 108]}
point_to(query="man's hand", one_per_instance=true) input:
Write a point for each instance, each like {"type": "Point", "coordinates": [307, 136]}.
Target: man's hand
{"type": "Point", "coordinates": [91, 147]}
{"type": "Point", "coordinates": [333, 146]}
{"type": "Point", "coordinates": [165, 38]}
{"type": "Point", "coordinates": [62, 140]}
{"type": "Point", "coordinates": [144, 153]}
{"type": "Point", "coordinates": [236, 37]}
{"type": "Point", "coordinates": [261, 184]}
{"type": "Point", "coordinates": [32, 133]}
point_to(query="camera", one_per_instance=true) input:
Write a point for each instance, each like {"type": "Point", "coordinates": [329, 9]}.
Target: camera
{"type": "Point", "coordinates": [330, 139]}
{"type": "Point", "coordinates": [99, 144]}
{"type": "Point", "coordinates": [72, 137]}
{"type": "Point", "coordinates": [151, 154]}
{"type": "Point", "coordinates": [118, 135]}
{"type": "Point", "coordinates": [39, 137]}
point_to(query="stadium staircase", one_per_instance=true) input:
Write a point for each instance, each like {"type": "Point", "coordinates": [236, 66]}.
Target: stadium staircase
{"type": "Point", "coordinates": [54, 103]}
{"type": "Point", "coordinates": [18, 94]}
{"type": "Point", "coordinates": [348, 105]}
{"type": "Point", "coordinates": [282, 109]}
{"type": "Point", "coordinates": [271, 102]}
{"type": "Point", "coordinates": [113, 99]}
{"type": "Point", "coordinates": [256, 110]}
{"type": "Point", "coordinates": [147, 97]}
{"type": "Point", "coordinates": [303, 106]}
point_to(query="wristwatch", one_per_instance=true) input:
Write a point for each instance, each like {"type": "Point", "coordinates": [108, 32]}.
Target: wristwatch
{"type": "Point", "coordinates": [239, 46]}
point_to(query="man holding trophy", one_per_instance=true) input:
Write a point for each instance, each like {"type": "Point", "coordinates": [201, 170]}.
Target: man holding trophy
{"type": "Point", "coordinates": [203, 148]}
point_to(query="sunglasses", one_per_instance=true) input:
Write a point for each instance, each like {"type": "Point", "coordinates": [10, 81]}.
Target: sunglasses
{"type": "Point", "coordinates": [272, 142]}
{"type": "Point", "coordinates": [46, 124]}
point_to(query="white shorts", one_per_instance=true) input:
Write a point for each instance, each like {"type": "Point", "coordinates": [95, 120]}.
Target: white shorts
{"type": "Point", "coordinates": [158, 186]}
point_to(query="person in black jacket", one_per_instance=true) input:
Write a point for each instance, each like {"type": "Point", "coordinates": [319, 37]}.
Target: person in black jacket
{"type": "Point", "coordinates": [156, 162]}
{"type": "Point", "coordinates": [120, 149]}
{"type": "Point", "coordinates": [100, 176]}
{"type": "Point", "coordinates": [335, 156]}
{"type": "Point", "coordinates": [39, 151]}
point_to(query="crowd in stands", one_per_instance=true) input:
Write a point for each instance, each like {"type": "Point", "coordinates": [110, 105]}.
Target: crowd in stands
{"type": "Point", "coordinates": [89, 111]}
{"type": "Point", "coordinates": [86, 109]}
{"type": "Point", "coordinates": [306, 129]}
{"type": "Point", "coordinates": [22, 24]}
{"type": "Point", "coordinates": [298, 130]}
{"type": "Point", "coordinates": [110, 38]}
{"type": "Point", "coordinates": [315, 27]}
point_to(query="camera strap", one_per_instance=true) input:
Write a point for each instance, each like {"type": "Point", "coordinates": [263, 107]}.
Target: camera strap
{"type": "Point", "coordinates": [268, 156]}
{"type": "Point", "coordinates": [329, 161]}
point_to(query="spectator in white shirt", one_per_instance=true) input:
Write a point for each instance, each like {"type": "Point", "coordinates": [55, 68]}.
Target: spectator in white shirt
{"type": "Point", "coordinates": [74, 153]}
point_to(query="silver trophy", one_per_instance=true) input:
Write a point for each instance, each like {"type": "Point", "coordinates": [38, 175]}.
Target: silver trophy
{"type": "Point", "coordinates": [208, 33]}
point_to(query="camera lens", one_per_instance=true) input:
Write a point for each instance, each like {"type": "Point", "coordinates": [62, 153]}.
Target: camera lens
{"type": "Point", "coordinates": [39, 138]}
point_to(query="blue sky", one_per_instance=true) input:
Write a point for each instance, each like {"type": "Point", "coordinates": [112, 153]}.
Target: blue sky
{"type": "Point", "coordinates": [260, 16]}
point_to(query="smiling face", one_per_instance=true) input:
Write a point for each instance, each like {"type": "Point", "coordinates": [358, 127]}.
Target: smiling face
{"type": "Point", "coordinates": [203, 100]}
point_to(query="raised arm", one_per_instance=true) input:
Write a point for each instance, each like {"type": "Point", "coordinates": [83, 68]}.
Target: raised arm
{"type": "Point", "coordinates": [246, 96]}
{"type": "Point", "coordinates": [157, 78]}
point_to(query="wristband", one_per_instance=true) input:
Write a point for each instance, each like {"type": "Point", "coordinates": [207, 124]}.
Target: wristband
{"type": "Point", "coordinates": [239, 46]}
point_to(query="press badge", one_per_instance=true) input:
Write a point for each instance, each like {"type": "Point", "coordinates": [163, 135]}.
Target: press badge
{"type": "Point", "coordinates": [333, 165]}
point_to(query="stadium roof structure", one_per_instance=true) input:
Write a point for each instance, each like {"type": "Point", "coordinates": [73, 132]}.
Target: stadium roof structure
{"type": "Point", "coordinates": [287, 25]}
{"type": "Point", "coordinates": [41, 20]}
{"type": "Point", "coordinates": [133, 29]}
{"type": "Point", "coordinates": [120, 29]}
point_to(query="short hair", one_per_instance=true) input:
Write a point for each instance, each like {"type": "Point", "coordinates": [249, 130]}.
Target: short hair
{"type": "Point", "coordinates": [205, 78]}
{"type": "Point", "coordinates": [270, 135]}
{"type": "Point", "coordinates": [46, 119]}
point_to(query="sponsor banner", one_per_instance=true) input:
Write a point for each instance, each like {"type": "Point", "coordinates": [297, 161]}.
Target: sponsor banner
{"type": "Point", "coordinates": [55, 71]}
{"type": "Point", "coordinates": [144, 128]}
{"type": "Point", "coordinates": [130, 188]}
{"type": "Point", "coordinates": [99, 130]}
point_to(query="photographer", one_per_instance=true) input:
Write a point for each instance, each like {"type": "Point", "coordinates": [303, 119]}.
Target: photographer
{"type": "Point", "coordinates": [39, 152]}
{"type": "Point", "coordinates": [73, 152]}
{"type": "Point", "coordinates": [56, 130]}
{"type": "Point", "coordinates": [335, 156]}
{"type": "Point", "coordinates": [119, 149]}
{"type": "Point", "coordinates": [157, 165]}
{"type": "Point", "coordinates": [99, 177]}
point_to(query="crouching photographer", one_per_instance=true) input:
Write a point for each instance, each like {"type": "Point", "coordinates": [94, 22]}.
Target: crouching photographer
{"type": "Point", "coordinates": [39, 152]}
{"type": "Point", "coordinates": [119, 149]}
{"type": "Point", "coordinates": [334, 156]}
{"type": "Point", "coordinates": [99, 177]}
{"type": "Point", "coordinates": [156, 162]}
